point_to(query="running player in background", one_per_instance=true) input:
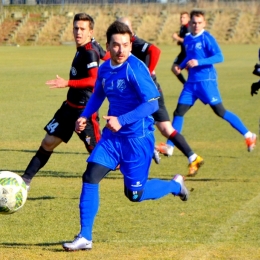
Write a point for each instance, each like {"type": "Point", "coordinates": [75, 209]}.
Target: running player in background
{"type": "Point", "coordinates": [203, 52]}
{"type": "Point", "coordinates": [179, 38]}
{"type": "Point", "coordinates": [83, 74]}
{"type": "Point", "coordinates": [256, 85]}
{"type": "Point", "coordinates": [150, 54]}
{"type": "Point", "coordinates": [127, 139]}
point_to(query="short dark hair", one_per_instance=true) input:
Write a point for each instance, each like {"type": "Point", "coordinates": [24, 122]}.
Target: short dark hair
{"type": "Point", "coordinates": [184, 12]}
{"type": "Point", "coordinates": [197, 13]}
{"type": "Point", "coordinates": [84, 17]}
{"type": "Point", "coordinates": [117, 28]}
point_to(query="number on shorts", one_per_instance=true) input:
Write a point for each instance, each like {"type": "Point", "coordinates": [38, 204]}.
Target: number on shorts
{"type": "Point", "coordinates": [52, 126]}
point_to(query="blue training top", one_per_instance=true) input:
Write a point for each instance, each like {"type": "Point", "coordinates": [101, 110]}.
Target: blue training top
{"type": "Point", "coordinates": [128, 88]}
{"type": "Point", "coordinates": [204, 48]}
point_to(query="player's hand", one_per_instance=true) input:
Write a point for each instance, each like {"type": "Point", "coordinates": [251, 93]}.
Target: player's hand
{"type": "Point", "coordinates": [254, 88]}
{"type": "Point", "coordinates": [176, 70]}
{"type": "Point", "coordinates": [80, 124]}
{"type": "Point", "coordinates": [57, 83]}
{"type": "Point", "coordinates": [112, 123]}
{"type": "Point", "coordinates": [175, 36]}
{"type": "Point", "coordinates": [192, 63]}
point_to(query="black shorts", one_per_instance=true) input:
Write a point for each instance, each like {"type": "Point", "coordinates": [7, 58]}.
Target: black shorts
{"type": "Point", "coordinates": [62, 125]}
{"type": "Point", "coordinates": [161, 115]}
{"type": "Point", "coordinates": [180, 58]}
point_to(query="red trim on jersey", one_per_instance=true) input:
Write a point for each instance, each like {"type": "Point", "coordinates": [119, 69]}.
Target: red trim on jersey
{"type": "Point", "coordinates": [73, 105]}
{"type": "Point", "coordinates": [154, 53]}
{"type": "Point", "coordinates": [133, 38]}
{"type": "Point", "coordinates": [96, 126]}
{"type": "Point", "coordinates": [86, 82]}
{"type": "Point", "coordinates": [107, 56]}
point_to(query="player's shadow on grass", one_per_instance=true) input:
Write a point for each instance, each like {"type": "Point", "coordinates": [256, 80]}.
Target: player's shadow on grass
{"type": "Point", "coordinates": [112, 175]}
{"type": "Point", "coordinates": [42, 198]}
{"type": "Point", "coordinates": [34, 151]}
{"type": "Point", "coordinates": [24, 245]}
{"type": "Point", "coordinates": [86, 153]}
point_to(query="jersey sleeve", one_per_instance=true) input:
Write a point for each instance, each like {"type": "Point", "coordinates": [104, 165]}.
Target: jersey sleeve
{"type": "Point", "coordinates": [139, 77]}
{"type": "Point", "coordinates": [91, 63]}
{"type": "Point", "coordinates": [95, 100]}
{"type": "Point", "coordinates": [214, 53]}
{"type": "Point", "coordinates": [154, 55]}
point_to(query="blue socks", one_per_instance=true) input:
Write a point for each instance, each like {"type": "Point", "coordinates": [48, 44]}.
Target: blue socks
{"type": "Point", "coordinates": [156, 188]}
{"type": "Point", "coordinates": [235, 122]}
{"type": "Point", "coordinates": [89, 203]}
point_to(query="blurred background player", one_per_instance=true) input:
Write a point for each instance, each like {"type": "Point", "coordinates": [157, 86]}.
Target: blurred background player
{"type": "Point", "coordinates": [164, 148]}
{"type": "Point", "coordinates": [128, 137]}
{"type": "Point", "coordinates": [149, 54]}
{"type": "Point", "coordinates": [179, 38]}
{"type": "Point", "coordinates": [202, 51]}
{"type": "Point", "coordinates": [83, 74]}
{"type": "Point", "coordinates": [256, 85]}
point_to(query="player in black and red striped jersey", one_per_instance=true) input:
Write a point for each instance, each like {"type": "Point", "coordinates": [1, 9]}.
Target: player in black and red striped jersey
{"type": "Point", "coordinates": [83, 74]}
{"type": "Point", "coordinates": [256, 85]}
{"type": "Point", "coordinates": [179, 38]}
{"type": "Point", "coordinates": [149, 54]}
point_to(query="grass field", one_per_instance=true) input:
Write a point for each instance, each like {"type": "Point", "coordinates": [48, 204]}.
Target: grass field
{"type": "Point", "coordinates": [220, 220]}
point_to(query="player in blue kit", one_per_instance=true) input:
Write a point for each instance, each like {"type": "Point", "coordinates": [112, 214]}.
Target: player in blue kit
{"type": "Point", "coordinates": [149, 54]}
{"type": "Point", "coordinates": [127, 138]}
{"type": "Point", "coordinates": [202, 51]}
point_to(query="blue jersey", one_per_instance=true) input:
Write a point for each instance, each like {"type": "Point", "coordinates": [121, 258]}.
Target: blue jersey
{"type": "Point", "coordinates": [205, 49]}
{"type": "Point", "coordinates": [126, 87]}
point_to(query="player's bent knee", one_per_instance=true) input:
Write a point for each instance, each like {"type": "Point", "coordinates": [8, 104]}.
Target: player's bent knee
{"type": "Point", "coordinates": [181, 110]}
{"type": "Point", "coordinates": [94, 173]}
{"type": "Point", "coordinates": [134, 196]}
{"type": "Point", "coordinates": [219, 110]}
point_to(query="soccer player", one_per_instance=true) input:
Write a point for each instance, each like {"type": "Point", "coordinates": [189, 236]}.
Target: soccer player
{"type": "Point", "coordinates": [83, 74]}
{"type": "Point", "coordinates": [179, 38]}
{"type": "Point", "coordinates": [127, 139]}
{"type": "Point", "coordinates": [256, 85]}
{"type": "Point", "coordinates": [149, 54]}
{"type": "Point", "coordinates": [202, 53]}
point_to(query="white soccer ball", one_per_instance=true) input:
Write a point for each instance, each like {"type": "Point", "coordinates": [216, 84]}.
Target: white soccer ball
{"type": "Point", "coordinates": [13, 192]}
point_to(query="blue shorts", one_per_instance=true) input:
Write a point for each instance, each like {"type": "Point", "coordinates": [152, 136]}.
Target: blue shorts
{"type": "Point", "coordinates": [133, 154]}
{"type": "Point", "coordinates": [206, 91]}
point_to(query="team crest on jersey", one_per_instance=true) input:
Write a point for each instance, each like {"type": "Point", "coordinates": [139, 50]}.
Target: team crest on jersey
{"type": "Point", "coordinates": [121, 84]}
{"type": "Point", "coordinates": [198, 45]}
{"type": "Point", "coordinates": [73, 71]}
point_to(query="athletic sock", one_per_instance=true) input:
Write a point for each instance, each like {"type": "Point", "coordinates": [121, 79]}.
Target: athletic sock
{"type": "Point", "coordinates": [37, 162]}
{"type": "Point", "coordinates": [179, 141]}
{"type": "Point", "coordinates": [181, 78]}
{"type": "Point", "coordinates": [235, 122]}
{"type": "Point", "coordinates": [89, 203]}
{"type": "Point", "coordinates": [177, 124]}
{"type": "Point", "coordinates": [192, 158]}
{"type": "Point", "coordinates": [156, 188]}
{"type": "Point", "coordinates": [248, 134]}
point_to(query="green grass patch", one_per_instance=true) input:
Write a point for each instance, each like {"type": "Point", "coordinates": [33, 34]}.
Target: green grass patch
{"type": "Point", "coordinates": [221, 218]}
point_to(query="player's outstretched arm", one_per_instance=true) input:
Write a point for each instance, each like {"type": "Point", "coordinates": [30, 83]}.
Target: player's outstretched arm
{"type": "Point", "coordinates": [57, 83]}
{"type": "Point", "coordinates": [255, 87]}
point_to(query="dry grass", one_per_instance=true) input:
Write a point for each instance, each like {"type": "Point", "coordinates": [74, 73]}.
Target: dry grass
{"type": "Point", "coordinates": [154, 22]}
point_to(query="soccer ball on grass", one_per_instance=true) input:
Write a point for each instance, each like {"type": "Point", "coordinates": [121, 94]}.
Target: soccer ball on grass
{"type": "Point", "coordinates": [13, 192]}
